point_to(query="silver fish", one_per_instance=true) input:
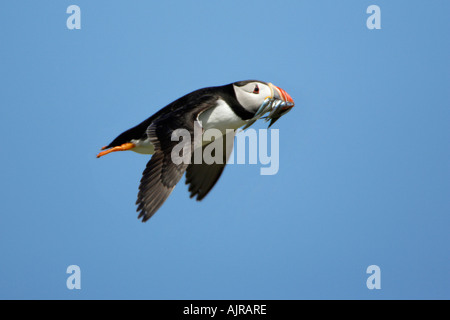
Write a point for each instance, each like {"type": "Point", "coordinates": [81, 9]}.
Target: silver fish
{"type": "Point", "coordinates": [276, 109]}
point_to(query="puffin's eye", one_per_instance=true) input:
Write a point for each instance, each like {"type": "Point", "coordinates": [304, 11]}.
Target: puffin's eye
{"type": "Point", "coordinates": [256, 90]}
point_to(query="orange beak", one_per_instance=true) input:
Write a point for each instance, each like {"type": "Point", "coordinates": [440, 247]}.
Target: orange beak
{"type": "Point", "coordinates": [284, 104]}
{"type": "Point", "coordinates": [280, 94]}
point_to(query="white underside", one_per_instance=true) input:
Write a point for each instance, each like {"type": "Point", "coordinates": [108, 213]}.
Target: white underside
{"type": "Point", "coordinates": [143, 146]}
{"type": "Point", "coordinates": [220, 117]}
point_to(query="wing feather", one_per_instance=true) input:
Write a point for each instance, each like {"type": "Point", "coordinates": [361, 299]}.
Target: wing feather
{"type": "Point", "coordinates": [202, 177]}
{"type": "Point", "coordinates": [161, 174]}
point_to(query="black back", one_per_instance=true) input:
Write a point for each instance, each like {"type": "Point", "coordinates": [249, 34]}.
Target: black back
{"type": "Point", "coordinates": [225, 93]}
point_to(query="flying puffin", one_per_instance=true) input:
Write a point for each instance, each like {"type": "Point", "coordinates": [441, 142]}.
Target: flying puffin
{"type": "Point", "coordinates": [226, 108]}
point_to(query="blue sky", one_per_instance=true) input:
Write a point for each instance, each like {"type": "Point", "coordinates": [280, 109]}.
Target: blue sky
{"type": "Point", "coordinates": [364, 173]}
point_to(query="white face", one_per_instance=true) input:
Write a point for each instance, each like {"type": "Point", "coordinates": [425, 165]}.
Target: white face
{"type": "Point", "coordinates": [252, 94]}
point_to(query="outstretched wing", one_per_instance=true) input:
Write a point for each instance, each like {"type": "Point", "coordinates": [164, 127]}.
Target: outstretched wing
{"type": "Point", "coordinates": [161, 173]}
{"type": "Point", "coordinates": [201, 177]}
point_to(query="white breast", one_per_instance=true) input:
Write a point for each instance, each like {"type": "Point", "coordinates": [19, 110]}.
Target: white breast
{"type": "Point", "coordinates": [221, 117]}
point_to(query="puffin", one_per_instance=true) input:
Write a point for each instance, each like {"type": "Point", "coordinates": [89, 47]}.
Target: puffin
{"type": "Point", "coordinates": [225, 108]}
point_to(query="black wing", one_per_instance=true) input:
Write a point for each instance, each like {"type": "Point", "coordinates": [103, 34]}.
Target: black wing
{"type": "Point", "coordinates": [202, 177]}
{"type": "Point", "coordinates": [161, 173]}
